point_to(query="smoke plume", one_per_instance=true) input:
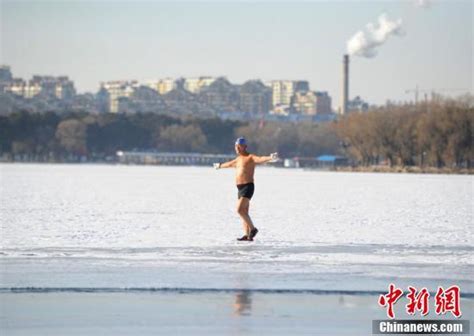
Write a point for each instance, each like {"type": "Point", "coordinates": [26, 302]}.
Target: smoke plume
{"type": "Point", "coordinates": [365, 43]}
{"type": "Point", "coordinates": [423, 3]}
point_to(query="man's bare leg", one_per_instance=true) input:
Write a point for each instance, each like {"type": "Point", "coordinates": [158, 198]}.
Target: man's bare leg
{"type": "Point", "coordinates": [243, 206]}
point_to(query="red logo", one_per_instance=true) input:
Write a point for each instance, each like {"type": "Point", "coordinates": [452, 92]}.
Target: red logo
{"type": "Point", "coordinates": [448, 300]}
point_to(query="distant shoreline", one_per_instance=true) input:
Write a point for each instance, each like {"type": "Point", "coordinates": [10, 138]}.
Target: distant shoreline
{"type": "Point", "coordinates": [406, 169]}
{"type": "Point", "coordinates": [349, 169]}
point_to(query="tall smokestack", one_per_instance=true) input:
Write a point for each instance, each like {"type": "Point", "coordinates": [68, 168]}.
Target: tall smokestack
{"type": "Point", "coordinates": [345, 84]}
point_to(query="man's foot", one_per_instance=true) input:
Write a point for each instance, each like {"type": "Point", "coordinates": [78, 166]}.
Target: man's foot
{"type": "Point", "coordinates": [253, 233]}
{"type": "Point", "coordinates": [245, 238]}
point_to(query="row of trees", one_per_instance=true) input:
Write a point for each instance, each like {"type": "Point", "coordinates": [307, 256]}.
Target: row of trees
{"type": "Point", "coordinates": [435, 134]}
{"type": "Point", "coordinates": [98, 136]}
{"type": "Point", "coordinates": [438, 133]}
{"type": "Point", "coordinates": [82, 134]}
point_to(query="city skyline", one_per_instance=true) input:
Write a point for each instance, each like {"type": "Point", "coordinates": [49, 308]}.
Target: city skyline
{"type": "Point", "coordinates": [200, 96]}
{"type": "Point", "coordinates": [147, 40]}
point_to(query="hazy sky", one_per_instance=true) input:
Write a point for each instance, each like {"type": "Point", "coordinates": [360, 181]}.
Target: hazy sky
{"type": "Point", "coordinates": [93, 41]}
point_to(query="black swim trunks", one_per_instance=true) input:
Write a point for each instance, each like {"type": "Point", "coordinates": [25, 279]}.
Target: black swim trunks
{"type": "Point", "coordinates": [245, 190]}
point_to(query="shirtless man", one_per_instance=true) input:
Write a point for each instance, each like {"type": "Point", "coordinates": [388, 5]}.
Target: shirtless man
{"type": "Point", "coordinates": [245, 164]}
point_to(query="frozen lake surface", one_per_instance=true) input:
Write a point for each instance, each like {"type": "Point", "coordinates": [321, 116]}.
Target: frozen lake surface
{"type": "Point", "coordinates": [102, 226]}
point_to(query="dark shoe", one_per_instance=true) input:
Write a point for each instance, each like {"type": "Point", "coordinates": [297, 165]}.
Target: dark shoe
{"type": "Point", "coordinates": [243, 238]}
{"type": "Point", "coordinates": [253, 233]}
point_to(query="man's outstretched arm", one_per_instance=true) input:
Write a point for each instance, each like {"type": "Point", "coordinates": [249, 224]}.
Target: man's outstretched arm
{"type": "Point", "coordinates": [227, 164]}
{"type": "Point", "coordinates": [264, 159]}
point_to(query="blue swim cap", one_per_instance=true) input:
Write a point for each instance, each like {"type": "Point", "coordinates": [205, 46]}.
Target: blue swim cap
{"type": "Point", "coordinates": [241, 141]}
